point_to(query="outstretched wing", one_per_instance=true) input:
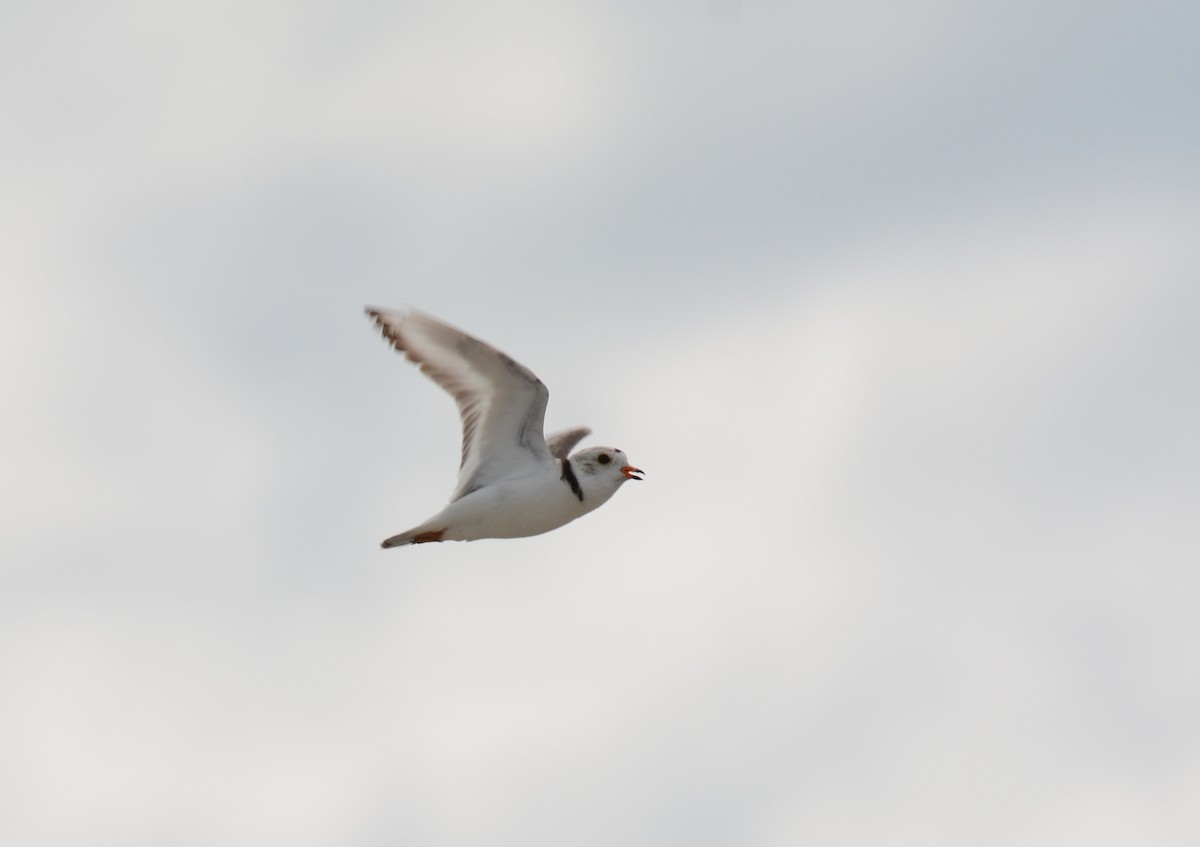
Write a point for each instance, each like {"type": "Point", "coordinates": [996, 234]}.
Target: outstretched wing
{"type": "Point", "coordinates": [502, 404]}
{"type": "Point", "coordinates": [560, 443]}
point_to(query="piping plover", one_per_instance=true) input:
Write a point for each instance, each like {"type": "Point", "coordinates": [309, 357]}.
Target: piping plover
{"type": "Point", "coordinates": [513, 481]}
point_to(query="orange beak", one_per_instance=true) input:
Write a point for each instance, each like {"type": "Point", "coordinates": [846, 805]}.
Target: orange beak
{"type": "Point", "coordinates": [632, 472]}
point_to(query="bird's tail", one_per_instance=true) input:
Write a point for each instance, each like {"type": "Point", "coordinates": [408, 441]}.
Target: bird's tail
{"type": "Point", "coordinates": [418, 535]}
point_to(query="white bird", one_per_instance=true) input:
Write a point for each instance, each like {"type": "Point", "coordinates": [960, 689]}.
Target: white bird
{"type": "Point", "coordinates": [513, 481]}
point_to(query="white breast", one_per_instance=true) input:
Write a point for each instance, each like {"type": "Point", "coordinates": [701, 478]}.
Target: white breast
{"type": "Point", "coordinates": [516, 509]}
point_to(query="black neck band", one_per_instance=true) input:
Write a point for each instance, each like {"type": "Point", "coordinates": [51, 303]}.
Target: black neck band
{"type": "Point", "coordinates": [568, 476]}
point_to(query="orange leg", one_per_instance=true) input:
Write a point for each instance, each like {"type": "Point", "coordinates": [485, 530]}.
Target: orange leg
{"type": "Point", "coordinates": [426, 537]}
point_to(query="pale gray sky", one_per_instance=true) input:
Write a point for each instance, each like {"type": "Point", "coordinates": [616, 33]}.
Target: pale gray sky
{"type": "Point", "coordinates": [896, 304]}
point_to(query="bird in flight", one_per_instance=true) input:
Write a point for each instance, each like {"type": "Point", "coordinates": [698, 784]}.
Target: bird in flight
{"type": "Point", "coordinates": [513, 481]}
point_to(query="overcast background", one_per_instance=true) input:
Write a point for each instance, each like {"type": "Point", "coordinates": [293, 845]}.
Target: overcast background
{"type": "Point", "coordinates": [897, 305]}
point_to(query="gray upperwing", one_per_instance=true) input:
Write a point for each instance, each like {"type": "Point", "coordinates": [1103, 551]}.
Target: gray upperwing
{"type": "Point", "coordinates": [560, 443]}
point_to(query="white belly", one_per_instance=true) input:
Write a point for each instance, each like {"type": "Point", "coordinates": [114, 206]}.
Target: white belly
{"type": "Point", "coordinates": [516, 509]}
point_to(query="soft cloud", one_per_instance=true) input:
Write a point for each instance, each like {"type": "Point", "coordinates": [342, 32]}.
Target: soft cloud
{"type": "Point", "coordinates": [893, 308]}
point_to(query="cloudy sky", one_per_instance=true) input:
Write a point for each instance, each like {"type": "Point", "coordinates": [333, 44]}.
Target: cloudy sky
{"type": "Point", "coordinates": [898, 305]}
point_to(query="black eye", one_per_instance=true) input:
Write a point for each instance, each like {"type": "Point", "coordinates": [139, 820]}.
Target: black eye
{"type": "Point", "coordinates": [604, 458]}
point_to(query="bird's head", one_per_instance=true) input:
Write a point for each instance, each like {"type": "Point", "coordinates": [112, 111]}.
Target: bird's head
{"type": "Point", "coordinates": [605, 463]}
